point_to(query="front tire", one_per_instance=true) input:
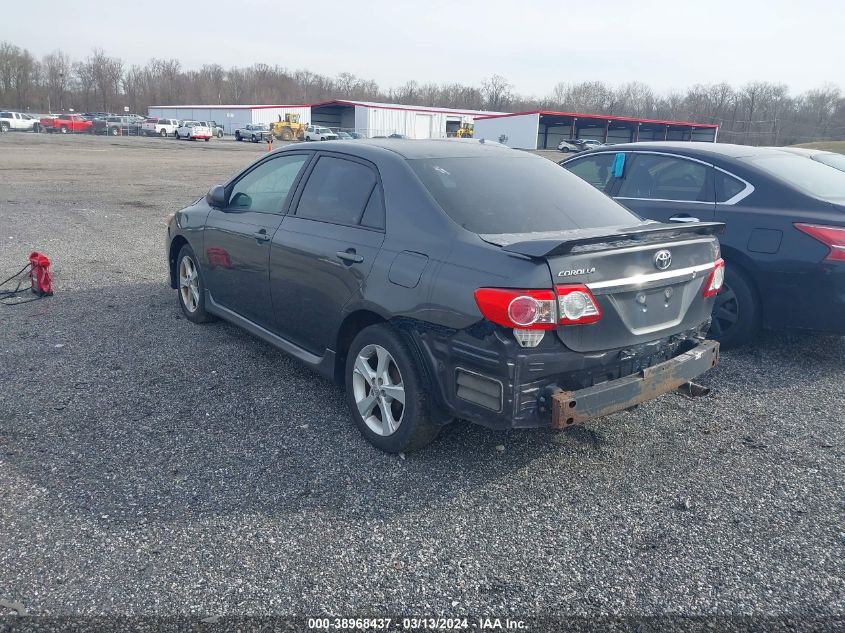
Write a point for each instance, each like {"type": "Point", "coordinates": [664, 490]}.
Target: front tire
{"type": "Point", "coordinates": [63, 129]}
{"type": "Point", "coordinates": [385, 392]}
{"type": "Point", "coordinates": [736, 312]}
{"type": "Point", "coordinates": [237, 136]}
{"type": "Point", "coordinates": [191, 287]}
{"type": "Point", "coordinates": [4, 127]}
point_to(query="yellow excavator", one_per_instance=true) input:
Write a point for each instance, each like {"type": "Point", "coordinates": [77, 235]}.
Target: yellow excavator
{"type": "Point", "coordinates": [465, 131]}
{"type": "Point", "coordinates": [289, 128]}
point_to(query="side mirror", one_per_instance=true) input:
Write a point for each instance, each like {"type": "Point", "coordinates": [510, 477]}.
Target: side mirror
{"type": "Point", "coordinates": [216, 196]}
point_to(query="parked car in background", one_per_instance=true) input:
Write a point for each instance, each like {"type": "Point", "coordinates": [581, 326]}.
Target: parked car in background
{"type": "Point", "coordinates": [397, 135]}
{"type": "Point", "coordinates": [65, 123]}
{"type": "Point", "coordinates": [18, 121]}
{"type": "Point", "coordinates": [578, 145]}
{"type": "Point", "coordinates": [319, 133]}
{"type": "Point", "coordinates": [216, 128]}
{"type": "Point", "coordinates": [115, 125]}
{"type": "Point", "coordinates": [439, 280]}
{"type": "Point", "coordinates": [341, 135]}
{"type": "Point", "coordinates": [784, 241]}
{"type": "Point", "coordinates": [193, 130]}
{"type": "Point", "coordinates": [255, 132]}
{"type": "Point", "coordinates": [96, 115]}
{"type": "Point", "coordinates": [831, 159]}
{"type": "Point", "coordinates": [160, 127]}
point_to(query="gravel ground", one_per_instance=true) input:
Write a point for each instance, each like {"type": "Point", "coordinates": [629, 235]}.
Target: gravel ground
{"type": "Point", "coordinates": [149, 466]}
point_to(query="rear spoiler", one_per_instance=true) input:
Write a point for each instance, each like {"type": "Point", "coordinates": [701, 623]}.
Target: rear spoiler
{"type": "Point", "coordinates": [548, 244]}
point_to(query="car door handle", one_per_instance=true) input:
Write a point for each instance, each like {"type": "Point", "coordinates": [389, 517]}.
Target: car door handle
{"type": "Point", "coordinates": [261, 236]}
{"type": "Point", "coordinates": [350, 257]}
{"type": "Point", "coordinates": [683, 218]}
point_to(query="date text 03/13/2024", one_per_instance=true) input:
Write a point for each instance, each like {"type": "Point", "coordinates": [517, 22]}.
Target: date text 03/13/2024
{"type": "Point", "coordinates": [416, 624]}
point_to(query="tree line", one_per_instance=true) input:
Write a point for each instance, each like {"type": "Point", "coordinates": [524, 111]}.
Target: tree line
{"type": "Point", "coordinates": [757, 113]}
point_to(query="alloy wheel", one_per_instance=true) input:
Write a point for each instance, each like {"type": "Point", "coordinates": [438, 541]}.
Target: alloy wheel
{"type": "Point", "coordinates": [378, 390]}
{"type": "Point", "coordinates": [189, 286]}
{"type": "Point", "coordinates": [725, 311]}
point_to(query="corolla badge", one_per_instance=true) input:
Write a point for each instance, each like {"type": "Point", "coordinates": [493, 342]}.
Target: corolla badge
{"type": "Point", "coordinates": [662, 259]}
{"type": "Point", "coordinates": [577, 271]}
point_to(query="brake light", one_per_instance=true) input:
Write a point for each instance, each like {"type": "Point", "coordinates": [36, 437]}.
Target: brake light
{"type": "Point", "coordinates": [522, 309]}
{"type": "Point", "coordinates": [538, 309]}
{"type": "Point", "coordinates": [576, 305]}
{"type": "Point", "coordinates": [715, 279]}
{"type": "Point", "coordinates": [831, 236]}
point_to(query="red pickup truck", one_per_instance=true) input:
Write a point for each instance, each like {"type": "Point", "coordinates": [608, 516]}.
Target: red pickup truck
{"type": "Point", "coordinates": [65, 123]}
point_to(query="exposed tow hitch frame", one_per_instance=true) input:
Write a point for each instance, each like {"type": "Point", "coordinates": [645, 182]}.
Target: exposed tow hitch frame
{"type": "Point", "coordinates": [576, 407]}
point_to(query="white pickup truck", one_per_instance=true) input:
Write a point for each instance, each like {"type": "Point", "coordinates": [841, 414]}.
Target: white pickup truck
{"type": "Point", "coordinates": [193, 130]}
{"type": "Point", "coordinates": [18, 121]}
{"type": "Point", "coordinates": [159, 127]}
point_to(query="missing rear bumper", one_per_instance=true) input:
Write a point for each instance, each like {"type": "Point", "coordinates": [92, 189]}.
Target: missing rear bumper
{"type": "Point", "coordinates": [576, 407]}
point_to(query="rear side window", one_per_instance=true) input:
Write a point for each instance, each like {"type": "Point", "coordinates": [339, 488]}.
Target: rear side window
{"type": "Point", "coordinates": [337, 191]}
{"type": "Point", "coordinates": [265, 188]}
{"type": "Point", "coordinates": [516, 193]}
{"type": "Point", "coordinates": [658, 177]}
{"type": "Point", "coordinates": [596, 170]}
{"type": "Point", "coordinates": [727, 186]}
{"type": "Point", "coordinates": [6, 115]}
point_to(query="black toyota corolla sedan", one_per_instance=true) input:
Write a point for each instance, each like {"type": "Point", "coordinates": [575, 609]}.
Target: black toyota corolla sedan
{"type": "Point", "coordinates": [784, 241]}
{"type": "Point", "coordinates": [450, 279]}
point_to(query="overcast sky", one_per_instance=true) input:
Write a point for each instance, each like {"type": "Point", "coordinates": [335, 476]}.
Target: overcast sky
{"type": "Point", "coordinates": [533, 43]}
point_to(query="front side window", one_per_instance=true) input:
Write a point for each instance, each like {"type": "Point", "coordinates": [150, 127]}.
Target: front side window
{"type": "Point", "coordinates": [656, 177]}
{"type": "Point", "coordinates": [265, 188]}
{"type": "Point", "coordinates": [596, 170]}
{"type": "Point", "coordinates": [337, 191]}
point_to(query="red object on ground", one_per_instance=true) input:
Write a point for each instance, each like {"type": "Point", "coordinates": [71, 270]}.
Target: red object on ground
{"type": "Point", "coordinates": [40, 276]}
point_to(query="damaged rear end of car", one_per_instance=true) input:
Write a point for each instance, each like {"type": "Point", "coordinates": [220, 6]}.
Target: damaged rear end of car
{"type": "Point", "coordinates": [574, 324]}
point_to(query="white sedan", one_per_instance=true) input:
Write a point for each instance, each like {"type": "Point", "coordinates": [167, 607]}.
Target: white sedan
{"type": "Point", "coordinates": [193, 130]}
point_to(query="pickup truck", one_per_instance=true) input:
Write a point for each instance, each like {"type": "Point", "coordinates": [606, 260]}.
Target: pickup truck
{"type": "Point", "coordinates": [116, 125]}
{"type": "Point", "coordinates": [65, 123]}
{"type": "Point", "coordinates": [18, 121]}
{"type": "Point", "coordinates": [216, 128]}
{"type": "Point", "coordinates": [193, 130]}
{"type": "Point", "coordinates": [159, 127]}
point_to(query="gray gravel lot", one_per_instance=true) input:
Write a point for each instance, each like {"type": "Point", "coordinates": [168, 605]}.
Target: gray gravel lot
{"type": "Point", "coordinates": [152, 466]}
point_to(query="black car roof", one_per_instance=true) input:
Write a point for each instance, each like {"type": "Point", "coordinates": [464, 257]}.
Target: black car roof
{"type": "Point", "coordinates": [696, 148]}
{"type": "Point", "coordinates": [412, 149]}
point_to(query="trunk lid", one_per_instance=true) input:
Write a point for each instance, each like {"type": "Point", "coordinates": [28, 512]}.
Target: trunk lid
{"type": "Point", "coordinates": [647, 280]}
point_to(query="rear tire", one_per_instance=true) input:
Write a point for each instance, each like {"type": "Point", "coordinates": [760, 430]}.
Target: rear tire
{"type": "Point", "coordinates": [63, 129]}
{"type": "Point", "coordinates": [407, 426]}
{"type": "Point", "coordinates": [163, 133]}
{"type": "Point", "coordinates": [736, 313]}
{"type": "Point", "coordinates": [191, 287]}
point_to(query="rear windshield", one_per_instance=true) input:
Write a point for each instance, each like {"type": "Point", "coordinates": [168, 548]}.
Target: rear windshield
{"type": "Point", "coordinates": [837, 161]}
{"type": "Point", "coordinates": [516, 194]}
{"type": "Point", "coordinates": [809, 176]}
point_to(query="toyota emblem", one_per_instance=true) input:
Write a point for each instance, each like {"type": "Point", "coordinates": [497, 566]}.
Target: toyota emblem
{"type": "Point", "coordinates": [662, 259]}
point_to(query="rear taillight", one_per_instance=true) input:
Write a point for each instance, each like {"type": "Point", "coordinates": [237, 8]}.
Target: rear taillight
{"type": "Point", "coordinates": [715, 279]}
{"type": "Point", "coordinates": [831, 236]}
{"type": "Point", "coordinates": [538, 309]}
{"type": "Point", "coordinates": [524, 309]}
{"type": "Point", "coordinates": [576, 305]}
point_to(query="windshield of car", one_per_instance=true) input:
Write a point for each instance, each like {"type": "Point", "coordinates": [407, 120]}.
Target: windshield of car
{"type": "Point", "coordinates": [517, 194]}
{"type": "Point", "coordinates": [809, 176]}
{"type": "Point", "coordinates": [837, 161]}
